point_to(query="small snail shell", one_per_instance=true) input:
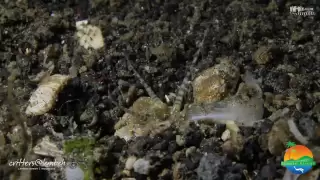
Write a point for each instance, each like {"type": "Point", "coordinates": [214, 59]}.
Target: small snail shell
{"type": "Point", "coordinates": [44, 97]}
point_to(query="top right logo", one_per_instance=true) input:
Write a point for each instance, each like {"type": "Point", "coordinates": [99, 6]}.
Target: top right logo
{"type": "Point", "coordinates": [302, 11]}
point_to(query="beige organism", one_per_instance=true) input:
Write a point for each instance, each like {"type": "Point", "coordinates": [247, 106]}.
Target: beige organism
{"type": "Point", "coordinates": [44, 97]}
{"type": "Point", "coordinates": [89, 36]}
{"type": "Point", "coordinates": [149, 115]}
{"type": "Point", "coordinates": [245, 107]}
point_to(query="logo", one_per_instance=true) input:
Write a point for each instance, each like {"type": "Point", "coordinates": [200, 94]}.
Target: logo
{"type": "Point", "coordinates": [298, 159]}
{"type": "Point", "coordinates": [38, 164]}
{"type": "Point", "coordinates": [302, 11]}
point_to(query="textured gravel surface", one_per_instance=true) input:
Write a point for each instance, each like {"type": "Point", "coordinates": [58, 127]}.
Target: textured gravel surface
{"type": "Point", "coordinates": [160, 39]}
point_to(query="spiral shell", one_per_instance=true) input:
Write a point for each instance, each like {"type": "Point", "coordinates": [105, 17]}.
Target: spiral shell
{"type": "Point", "coordinates": [44, 97]}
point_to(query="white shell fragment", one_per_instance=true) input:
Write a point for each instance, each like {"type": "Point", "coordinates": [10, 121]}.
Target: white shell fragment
{"type": "Point", "coordinates": [42, 100]}
{"type": "Point", "coordinates": [46, 147]}
{"type": "Point", "coordinates": [89, 36]}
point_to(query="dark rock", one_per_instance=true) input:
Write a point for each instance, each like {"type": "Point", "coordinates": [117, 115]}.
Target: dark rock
{"type": "Point", "coordinates": [212, 167]}
{"type": "Point", "coordinates": [172, 147]}
{"type": "Point", "coordinates": [265, 126]}
{"type": "Point", "coordinates": [307, 126]}
{"type": "Point", "coordinates": [210, 145]}
{"type": "Point", "coordinates": [231, 176]}
{"type": "Point", "coordinates": [163, 145]}
{"type": "Point", "coordinates": [251, 154]}
{"type": "Point", "coordinates": [268, 172]}
{"type": "Point", "coordinates": [140, 146]}
{"type": "Point", "coordinates": [190, 164]}
{"type": "Point", "coordinates": [278, 81]}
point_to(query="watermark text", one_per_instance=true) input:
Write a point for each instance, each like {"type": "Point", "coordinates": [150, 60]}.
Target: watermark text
{"type": "Point", "coordinates": [302, 11]}
{"type": "Point", "coordinates": [38, 164]}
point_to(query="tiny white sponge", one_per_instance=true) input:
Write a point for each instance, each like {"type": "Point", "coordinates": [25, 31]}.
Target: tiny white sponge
{"type": "Point", "coordinates": [89, 36]}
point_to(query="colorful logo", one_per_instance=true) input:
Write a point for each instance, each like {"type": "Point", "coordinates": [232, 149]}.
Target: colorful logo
{"type": "Point", "coordinates": [298, 159]}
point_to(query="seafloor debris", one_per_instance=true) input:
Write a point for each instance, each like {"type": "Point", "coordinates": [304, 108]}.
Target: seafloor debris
{"type": "Point", "coordinates": [215, 83]}
{"type": "Point", "coordinates": [142, 166]}
{"type": "Point", "coordinates": [130, 162]}
{"type": "Point", "coordinates": [149, 115]}
{"type": "Point", "coordinates": [15, 137]}
{"type": "Point", "coordinates": [163, 52]}
{"type": "Point", "coordinates": [47, 147]}
{"type": "Point", "coordinates": [89, 36]}
{"type": "Point", "coordinates": [262, 55]}
{"type": "Point", "coordinates": [145, 114]}
{"type": "Point", "coordinates": [295, 131]}
{"type": "Point", "coordinates": [245, 107]}
{"type": "Point", "coordinates": [81, 150]}
{"type": "Point", "coordinates": [43, 99]}
{"type": "Point", "coordinates": [211, 165]}
{"type": "Point", "coordinates": [273, 102]}
{"type": "Point", "coordinates": [278, 136]}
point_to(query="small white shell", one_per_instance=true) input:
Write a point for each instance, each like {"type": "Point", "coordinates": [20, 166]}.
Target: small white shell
{"type": "Point", "coordinates": [44, 97]}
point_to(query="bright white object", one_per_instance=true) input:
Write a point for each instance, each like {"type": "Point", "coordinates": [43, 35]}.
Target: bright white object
{"type": "Point", "coordinates": [89, 36]}
{"type": "Point", "coordinates": [44, 97]}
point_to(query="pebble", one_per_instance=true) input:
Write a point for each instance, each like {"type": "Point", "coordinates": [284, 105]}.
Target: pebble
{"type": "Point", "coordinates": [180, 140]}
{"type": "Point", "coordinates": [83, 69]}
{"type": "Point", "coordinates": [177, 156]}
{"type": "Point", "coordinates": [268, 171]}
{"type": "Point", "coordinates": [142, 166]}
{"type": "Point", "coordinates": [130, 162]}
{"type": "Point", "coordinates": [191, 150]}
{"type": "Point", "coordinates": [227, 147]}
{"type": "Point", "coordinates": [226, 135]}
{"type": "Point", "coordinates": [211, 165]}
{"type": "Point", "coordinates": [2, 139]}
{"type": "Point", "coordinates": [209, 87]}
{"type": "Point", "coordinates": [146, 117]}
{"type": "Point", "coordinates": [165, 174]}
{"type": "Point", "coordinates": [214, 83]}
{"type": "Point", "coordinates": [278, 136]}
{"type": "Point", "coordinates": [262, 55]}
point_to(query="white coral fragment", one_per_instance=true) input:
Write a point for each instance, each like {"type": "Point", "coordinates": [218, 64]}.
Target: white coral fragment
{"type": "Point", "coordinates": [89, 36]}
{"type": "Point", "coordinates": [44, 97]}
{"type": "Point", "coordinates": [47, 147]}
